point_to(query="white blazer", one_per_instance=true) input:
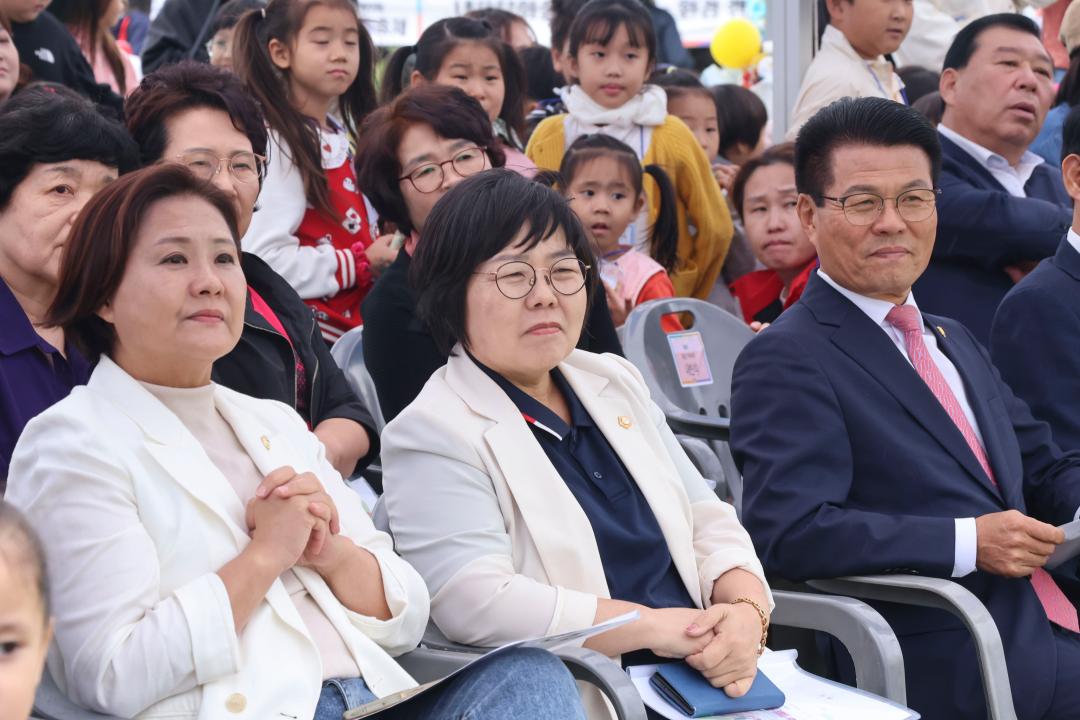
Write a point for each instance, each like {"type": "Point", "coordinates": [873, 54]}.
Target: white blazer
{"type": "Point", "coordinates": [136, 520]}
{"type": "Point", "coordinates": [476, 506]}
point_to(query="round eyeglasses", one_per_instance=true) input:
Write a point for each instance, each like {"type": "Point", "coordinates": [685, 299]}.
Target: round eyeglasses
{"type": "Point", "coordinates": [516, 279]}
{"type": "Point", "coordinates": [865, 208]}
{"type": "Point", "coordinates": [429, 177]}
{"type": "Point", "coordinates": [244, 166]}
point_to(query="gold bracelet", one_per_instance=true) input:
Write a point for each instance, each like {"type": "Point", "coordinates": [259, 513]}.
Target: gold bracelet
{"type": "Point", "coordinates": [764, 621]}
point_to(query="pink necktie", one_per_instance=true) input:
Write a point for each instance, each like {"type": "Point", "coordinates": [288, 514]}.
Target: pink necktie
{"type": "Point", "coordinates": [907, 320]}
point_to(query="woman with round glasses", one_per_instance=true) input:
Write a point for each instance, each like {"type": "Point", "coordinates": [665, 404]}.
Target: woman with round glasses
{"type": "Point", "coordinates": [410, 154]}
{"type": "Point", "coordinates": [202, 117]}
{"type": "Point", "coordinates": [536, 487]}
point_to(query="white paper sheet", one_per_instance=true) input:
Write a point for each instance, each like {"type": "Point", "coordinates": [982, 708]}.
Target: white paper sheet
{"type": "Point", "coordinates": [1068, 549]}
{"type": "Point", "coordinates": [808, 696]}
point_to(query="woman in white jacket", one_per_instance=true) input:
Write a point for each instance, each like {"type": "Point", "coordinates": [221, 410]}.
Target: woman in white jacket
{"type": "Point", "coordinates": [207, 560]}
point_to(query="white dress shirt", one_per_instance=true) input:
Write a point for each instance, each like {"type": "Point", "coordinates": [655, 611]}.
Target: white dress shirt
{"type": "Point", "coordinates": [1013, 179]}
{"type": "Point", "coordinates": [1074, 240]}
{"type": "Point", "coordinates": [876, 310]}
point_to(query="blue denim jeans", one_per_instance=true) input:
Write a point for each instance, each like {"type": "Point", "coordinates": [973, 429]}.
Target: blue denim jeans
{"type": "Point", "coordinates": [520, 684]}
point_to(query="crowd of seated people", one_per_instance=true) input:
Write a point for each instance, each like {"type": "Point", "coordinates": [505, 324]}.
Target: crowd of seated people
{"type": "Point", "coordinates": [188, 224]}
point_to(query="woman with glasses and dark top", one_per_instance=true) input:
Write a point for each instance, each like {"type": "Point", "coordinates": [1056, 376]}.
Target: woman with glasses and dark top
{"type": "Point", "coordinates": [202, 117]}
{"type": "Point", "coordinates": [536, 487]}
{"type": "Point", "coordinates": [410, 154]}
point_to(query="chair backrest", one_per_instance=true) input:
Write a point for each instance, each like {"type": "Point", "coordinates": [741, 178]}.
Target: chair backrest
{"type": "Point", "coordinates": [348, 353]}
{"type": "Point", "coordinates": [719, 334]}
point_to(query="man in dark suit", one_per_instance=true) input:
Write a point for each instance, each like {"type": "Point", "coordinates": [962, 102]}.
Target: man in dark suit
{"type": "Point", "coordinates": [1035, 338]}
{"type": "Point", "coordinates": [873, 438]}
{"type": "Point", "coordinates": [1002, 209]}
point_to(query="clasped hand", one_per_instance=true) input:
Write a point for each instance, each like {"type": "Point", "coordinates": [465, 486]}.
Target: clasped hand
{"type": "Point", "coordinates": [721, 643]}
{"type": "Point", "coordinates": [293, 518]}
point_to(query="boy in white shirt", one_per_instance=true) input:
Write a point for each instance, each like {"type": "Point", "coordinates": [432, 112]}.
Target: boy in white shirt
{"type": "Point", "coordinates": [851, 60]}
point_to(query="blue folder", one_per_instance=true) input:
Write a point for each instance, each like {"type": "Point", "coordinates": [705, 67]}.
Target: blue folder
{"type": "Point", "coordinates": [686, 688]}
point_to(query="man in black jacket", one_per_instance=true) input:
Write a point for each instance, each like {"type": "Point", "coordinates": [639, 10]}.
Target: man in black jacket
{"type": "Point", "coordinates": [51, 53]}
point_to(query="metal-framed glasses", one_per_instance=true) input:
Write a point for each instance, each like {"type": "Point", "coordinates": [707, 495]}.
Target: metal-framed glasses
{"type": "Point", "coordinates": [429, 177]}
{"type": "Point", "coordinates": [516, 279]}
{"type": "Point", "coordinates": [865, 208]}
{"type": "Point", "coordinates": [244, 166]}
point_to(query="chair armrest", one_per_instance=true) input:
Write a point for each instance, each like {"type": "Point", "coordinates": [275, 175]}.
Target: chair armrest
{"type": "Point", "coordinates": [605, 674]}
{"type": "Point", "coordinates": [954, 598]}
{"type": "Point", "coordinates": [51, 704]}
{"type": "Point", "coordinates": [872, 644]}
{"type": "Point", "coordinates": [584, 664]}
{"type": "Point", "coordinates": [683, 422]}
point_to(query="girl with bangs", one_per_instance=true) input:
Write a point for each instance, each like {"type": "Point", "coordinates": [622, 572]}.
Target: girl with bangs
{"type": "Point", "coordinates": [303, 61]}
{"type": "Point", "coordinates": [612, 51]}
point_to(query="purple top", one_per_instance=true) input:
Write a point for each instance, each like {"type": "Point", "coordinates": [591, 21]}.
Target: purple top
{"type": "Point", "coordinates": [33, 375]}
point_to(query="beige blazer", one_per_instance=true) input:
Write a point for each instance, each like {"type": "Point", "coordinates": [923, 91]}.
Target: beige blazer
{"type": "Point", "coordinates": [136, 520]}
{"type": "Point", "coordinates": [476, 506]}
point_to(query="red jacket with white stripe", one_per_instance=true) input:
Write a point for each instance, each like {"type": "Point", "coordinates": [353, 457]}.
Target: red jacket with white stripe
{"type": "Point", "coordinates": [311, 250]}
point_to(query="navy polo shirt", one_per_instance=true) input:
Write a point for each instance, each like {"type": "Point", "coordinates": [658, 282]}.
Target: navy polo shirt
{"type": "Point", "coordinates": [637, 563]}
{"type": "Point", "coordinates": [33, 375]}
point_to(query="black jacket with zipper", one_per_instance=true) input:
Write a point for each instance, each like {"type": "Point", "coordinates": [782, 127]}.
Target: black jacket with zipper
{"type": "Point", "coordinates": [262, 365]}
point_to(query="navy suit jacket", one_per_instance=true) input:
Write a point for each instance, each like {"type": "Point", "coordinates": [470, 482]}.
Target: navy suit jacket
{"type": "Point", "coordinates": [981, 229]}
{"type": "Point", "coordinates": [1035, 342]}
{"type": "Point", "coordinates": [852, 466]}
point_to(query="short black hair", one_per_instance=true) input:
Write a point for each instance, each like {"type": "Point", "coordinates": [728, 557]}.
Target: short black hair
{"type": "Point", "coordinates": [1070, 134]}
{"type": "Point", "coordinates": [964, 44]}
{"type": "Point", "coordinates": [918, 82]}
{"type": "Point", "coordinates": [541, 80]}
{"type": "Point", "coordinates": [675, 77]}
{"type": "Point", "coordinates": [741, 115]}
{"type": "Point", "coordinates": [870, 121]}
{"type": "Point", "coordinates": [563, 13]}
{"type": "Point", "coordinates": [230, 13]}
{"type": "Point", "coordinates": [599, 20]}
{"type": "Point", "coordinates": [472, 223]}
{"type": "Point", "coordinates": [48, 123]}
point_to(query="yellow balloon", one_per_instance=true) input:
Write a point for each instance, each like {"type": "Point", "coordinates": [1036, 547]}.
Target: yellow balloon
{"type": "Point", "coordinates": [736, 44]}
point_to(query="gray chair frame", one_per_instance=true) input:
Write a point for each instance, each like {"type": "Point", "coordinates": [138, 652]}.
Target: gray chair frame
{"type": "Point", "coordinates": [701, 411]}
{"type": "Point", "coordinates": [879, 664]}
{"type": "Point", "coordinates": [951, 597]}
{"type": "Point", "coordinates": [348, 353]}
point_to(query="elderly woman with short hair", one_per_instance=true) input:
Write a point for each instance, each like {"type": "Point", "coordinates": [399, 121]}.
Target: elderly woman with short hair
{"type": "Point", "coordinates": [56, 151]}
{"type": "Point", "coordinates": [536, 487]}
{"type": "Point", "coordinates": [208, 560]}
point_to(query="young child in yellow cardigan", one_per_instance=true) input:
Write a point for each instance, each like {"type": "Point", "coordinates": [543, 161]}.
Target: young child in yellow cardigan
{"type": "Point", "coordinates": [612, 50]}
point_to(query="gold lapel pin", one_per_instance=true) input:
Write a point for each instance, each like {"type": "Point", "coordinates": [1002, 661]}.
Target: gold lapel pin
{"type": "Point", "coordinates": [265, 442]}
{"type": "Point", "coordinates": [941, 330]}
{"type": "Point", "coordinates": [625, 422]}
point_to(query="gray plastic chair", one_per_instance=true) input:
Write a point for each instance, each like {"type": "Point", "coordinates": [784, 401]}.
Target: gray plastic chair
{"type": "Point", "coordinates": [954, 598]}
{"type": "Point", "coordinates": [702, 411]}
{"type": "Point", "coordinates": [348, 353]}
